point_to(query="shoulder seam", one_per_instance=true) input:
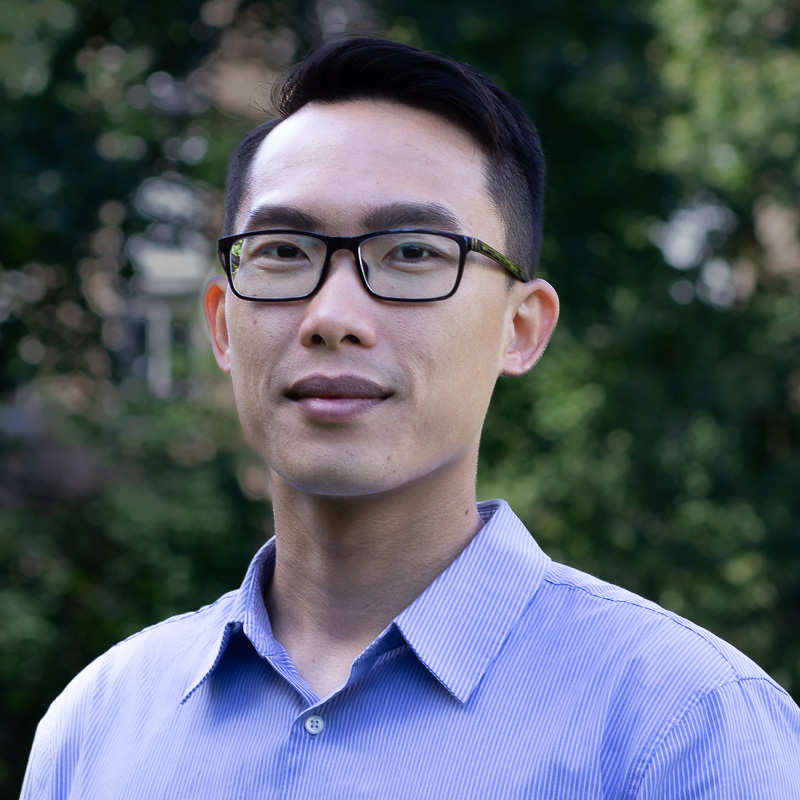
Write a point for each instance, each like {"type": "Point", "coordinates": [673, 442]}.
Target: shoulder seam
{"type": "Point", "coordinates": [176, 618]}
{"type": "Point", "coordinates": [654, 608]}
{"type": "Point", "coordinates": [639, 773]}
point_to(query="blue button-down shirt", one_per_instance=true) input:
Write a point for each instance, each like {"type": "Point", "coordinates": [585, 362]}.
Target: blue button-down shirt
{"type": "Point", "coordinates": [510, 676]}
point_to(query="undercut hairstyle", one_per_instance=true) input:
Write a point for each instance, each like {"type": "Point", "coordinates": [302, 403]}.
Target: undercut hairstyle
{"type": "Point", "coordinates": [361, 68]}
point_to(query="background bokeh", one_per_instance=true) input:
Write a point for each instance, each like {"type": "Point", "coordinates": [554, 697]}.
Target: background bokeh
{"type": "Point", "coordinates": [657, 444]}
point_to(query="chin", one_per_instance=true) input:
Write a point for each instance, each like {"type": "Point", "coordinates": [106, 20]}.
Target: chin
{"type": "Point", "coordinates": [336, 476]}
{"type": "Point", "coordinates": [338, 485]}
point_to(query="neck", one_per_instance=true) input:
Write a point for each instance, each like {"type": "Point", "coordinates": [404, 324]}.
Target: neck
{"type": "Point", "coordinates": [346, 566]}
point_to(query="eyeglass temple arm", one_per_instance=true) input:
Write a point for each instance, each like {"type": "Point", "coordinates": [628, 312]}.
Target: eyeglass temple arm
{"type": "Point", "coordinates": [481, 247]}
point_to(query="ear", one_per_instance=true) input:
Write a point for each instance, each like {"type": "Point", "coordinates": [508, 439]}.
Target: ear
{"type": "Point", "coordinates": [214, 310]}
{"type": "Point", "coordinates": [534, 316]}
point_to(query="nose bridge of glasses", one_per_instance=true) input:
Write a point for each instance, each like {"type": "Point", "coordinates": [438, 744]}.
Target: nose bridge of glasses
{"type": "Point", "coordinates": [351, 244]}
{"type": "Point", "coordinates": [337, 243]}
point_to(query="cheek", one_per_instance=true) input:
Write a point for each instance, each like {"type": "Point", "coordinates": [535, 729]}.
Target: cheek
{"type": "Point", "coordinates": [255, 335]}
{"type": "Point", "coordinates": [256, 347]}
{"type": "Point", "coordinates": [455, 365]}
{"type": "Point", "coordinates": [477, 341]}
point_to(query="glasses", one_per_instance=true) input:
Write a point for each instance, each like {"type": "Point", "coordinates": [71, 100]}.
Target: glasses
{"type": "Point", "coordinates": [405, 265]}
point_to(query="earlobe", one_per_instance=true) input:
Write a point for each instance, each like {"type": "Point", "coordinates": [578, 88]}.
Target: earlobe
{"type": "Point", "coordinates": [533, 321]}
{"type": "Point", "coordinates": [214, 310]}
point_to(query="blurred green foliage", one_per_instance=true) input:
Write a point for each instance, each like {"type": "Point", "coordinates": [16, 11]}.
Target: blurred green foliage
{"type": "Point", "coordinates": [656, 445]}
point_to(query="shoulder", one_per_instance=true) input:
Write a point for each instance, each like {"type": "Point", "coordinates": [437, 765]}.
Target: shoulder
{"type": "Point", "coordinates": [741, 739]}
{"type": "Point", "coordinates": [163, 657]}
{"type": "Point", "coordinates": [176, 642]}
{"type": "Point", "coordinates": [623, 621]}
{"type": "Point", "coordinates": [687, 706]}
{"type": "Point", "coordinates": [153, 666]}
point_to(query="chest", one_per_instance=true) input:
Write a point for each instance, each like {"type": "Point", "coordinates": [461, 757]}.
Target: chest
{"type": "Point", "coordinates": [396, 734]}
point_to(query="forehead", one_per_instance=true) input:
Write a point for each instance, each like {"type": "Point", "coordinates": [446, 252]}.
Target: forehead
{"type": "Point", "coordinates": [338, 163]}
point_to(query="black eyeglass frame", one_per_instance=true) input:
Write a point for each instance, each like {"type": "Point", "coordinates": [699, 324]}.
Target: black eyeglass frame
{"type": "Point", "coordinates": [466, 244]}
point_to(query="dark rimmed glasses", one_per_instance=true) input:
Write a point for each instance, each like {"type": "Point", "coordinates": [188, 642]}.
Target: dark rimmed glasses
{"type": "Point", "coordinates": [405, 265]}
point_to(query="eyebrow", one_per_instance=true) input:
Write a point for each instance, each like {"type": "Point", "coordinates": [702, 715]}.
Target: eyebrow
{"type": "Point", "coordinates": [411, 215]}
{"type": "Point", "coordinates": [386, 217]}
{"type": "Point", "coordinates": [264, 217]}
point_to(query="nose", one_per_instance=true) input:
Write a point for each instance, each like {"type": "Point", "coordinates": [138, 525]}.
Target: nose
{"type": "Point", "coordinates": [342, 311]}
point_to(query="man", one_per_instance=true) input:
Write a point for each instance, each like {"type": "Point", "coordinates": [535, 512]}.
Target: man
{"type": "Point", "coordinates": [396, 640]}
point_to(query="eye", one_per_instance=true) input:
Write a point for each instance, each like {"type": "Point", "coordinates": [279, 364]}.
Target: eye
{"type": "Point", "coordinates": [418, 256]}
{"type": "Point", "coordinates": [411, 254]}
{"type": "Point", "coordinates": [279, 250]}
{"type": "Point", "coordinates": [276, 253]}
{"type": "Point", "coordinates": [410, 251]}
{"type": "Point", "coordinates": [284, 250]}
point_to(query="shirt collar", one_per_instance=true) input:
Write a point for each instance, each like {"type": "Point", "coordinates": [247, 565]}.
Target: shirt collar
{"type": "Point", "coordinates": [456, 627]}
{"type": "Point", "coordinates": [246, 613]}
{"type": "Point", "coordinates": [458, 624]}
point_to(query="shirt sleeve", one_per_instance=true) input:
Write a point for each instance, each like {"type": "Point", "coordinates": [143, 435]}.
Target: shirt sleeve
{"type": "Point", "coordinates": [740, 741]}
{"type": "Point", "coordinates": [38, 774]}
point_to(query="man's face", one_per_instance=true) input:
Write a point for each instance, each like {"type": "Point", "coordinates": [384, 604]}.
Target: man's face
{"type": "Point", "coordinates": [344, 394]}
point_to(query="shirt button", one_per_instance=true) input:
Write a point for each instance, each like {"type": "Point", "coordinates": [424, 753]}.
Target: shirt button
{"type": "Point", "coordinates": [314, 724]}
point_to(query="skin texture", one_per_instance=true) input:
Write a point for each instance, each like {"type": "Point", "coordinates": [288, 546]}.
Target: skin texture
{"type": "Point", "coordinates": [373, 495]}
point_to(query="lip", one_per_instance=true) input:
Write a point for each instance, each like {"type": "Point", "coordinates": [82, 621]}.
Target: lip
{"type": "Point", "coordinates": [336, 398]}
{"type": "Point", "coordinates": [340, 387]}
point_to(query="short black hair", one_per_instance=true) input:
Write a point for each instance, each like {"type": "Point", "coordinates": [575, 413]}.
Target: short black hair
{"type": "Point", "coordinates": [360, 68]}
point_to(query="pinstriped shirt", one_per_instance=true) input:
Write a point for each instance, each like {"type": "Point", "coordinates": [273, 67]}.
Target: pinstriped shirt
{"type": "Point", "coordinates": [510, 676]}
